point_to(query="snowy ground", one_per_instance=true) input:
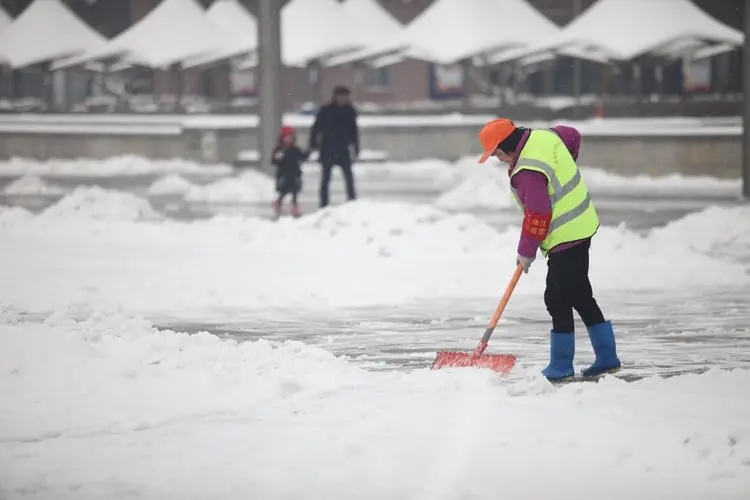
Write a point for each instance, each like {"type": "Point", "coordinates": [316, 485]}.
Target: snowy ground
{"type": "Point", "coordinates": [168, 340]}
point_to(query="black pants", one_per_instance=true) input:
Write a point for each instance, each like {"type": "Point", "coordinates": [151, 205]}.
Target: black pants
{"type": "Point", "coordinates": [568, 288]}
{"type": "Point", "coordinates": [346, 168]}
{"type": "Point", "coordinates": [282, 195]}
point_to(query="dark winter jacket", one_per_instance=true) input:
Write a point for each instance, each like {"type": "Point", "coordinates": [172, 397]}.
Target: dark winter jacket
{"type": "Point", "coordinates": [334, 131]}
{"type": "Point", "coordinates": [288, 162]}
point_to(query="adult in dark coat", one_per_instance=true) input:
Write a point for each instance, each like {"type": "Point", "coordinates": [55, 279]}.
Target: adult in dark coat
{"type": "Point", "coordinates": [334, 135]}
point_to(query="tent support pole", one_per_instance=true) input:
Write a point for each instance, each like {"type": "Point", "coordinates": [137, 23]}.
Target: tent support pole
{"type": "Point", "coordinates": [269, 65]}
{"type": "Point", "coordinates": [746, 107]}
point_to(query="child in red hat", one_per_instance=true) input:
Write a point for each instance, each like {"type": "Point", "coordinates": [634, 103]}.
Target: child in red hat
{"type": "Point", "coordinates": [288, 158]}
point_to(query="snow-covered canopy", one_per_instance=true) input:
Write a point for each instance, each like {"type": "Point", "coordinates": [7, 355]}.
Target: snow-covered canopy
{"type": "Point", "coordinates": [240, 26]}
{"type": "Point", "coordinates": [174, 31]}
{"type": "Point", "coordinates": [374, 25]}
{"type": "Point", "coordinates": [622, 30]}
{"type": "Point", "coordinates": [47, 30]}
{"type": "Point", "coordinates": [315, 30]}
{"type": "Point", "coordinates": [311, 30]}
{"type": "Point", "coordinates": [449, 31]}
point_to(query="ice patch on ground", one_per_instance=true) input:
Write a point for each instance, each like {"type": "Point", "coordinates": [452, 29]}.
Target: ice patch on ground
{"type": "Point", "coordinates": [31, 184]}
{"type": "Point", "coordinates": [107, 167]}
{"type": "Point", "coordinates": [97, 203]}
{"type": "Point", "coordinates": [248, 187]}
{"type": "Point", "coordinates": [359, 254]}
{"type": "Point", "coordinates": [168, 185]}
{"type": "Point", "coordinates": [103, 407]}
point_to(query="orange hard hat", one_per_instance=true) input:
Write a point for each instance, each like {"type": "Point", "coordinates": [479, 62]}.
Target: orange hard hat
{"type": "Point", "coordinates": [492, 134]}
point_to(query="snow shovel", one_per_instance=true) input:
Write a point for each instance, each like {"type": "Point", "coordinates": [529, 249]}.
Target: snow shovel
{"type": "Point", "coordinates": [502, 363]}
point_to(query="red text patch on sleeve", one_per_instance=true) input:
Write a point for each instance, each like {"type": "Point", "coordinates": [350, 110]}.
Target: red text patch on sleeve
{"type": "Point", "coordinates": [535, 224]}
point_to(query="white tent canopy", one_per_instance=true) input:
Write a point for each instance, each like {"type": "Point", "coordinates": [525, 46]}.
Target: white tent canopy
{"type": "Point", "coordinates": [174, 31]}
{"type": "Point", "coordinates": [310, 30]}
{"type": "Point", "coordinates": [316, 29]}
{"type": "Point", "coordinates": [47, 30]}
{"type": "Point", "coordinates": [234, 19]}
{"type": "Point", "coordinates": [449, 31]}
{"type": "Point", "coordinates": [625, 29]}
{"type": "Point", "coordinates": [374, 25]}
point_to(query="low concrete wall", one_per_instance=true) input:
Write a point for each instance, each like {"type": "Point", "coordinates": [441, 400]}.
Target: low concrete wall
{"type": "Point", "coordinates": [691, 150]}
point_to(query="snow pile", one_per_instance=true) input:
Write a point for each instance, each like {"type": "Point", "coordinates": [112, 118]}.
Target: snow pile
{"type": "Point", "coordinates": [391, 229]}
{"type": "Point", "coordinates": [31, 184]}
{"type": "Point", "coordinates": [358, 254]}
{"type": "Point", "coordinates": [719, 232]}
{"type": "Point", "coordinates": [104, 407]}
{"type": "Point", "coordinates": [170, 185]}
{"type": "Point", "coordinates": [249, 187]}
{"type": "Point", "coordinates": [10, 216]}
{"type": "Point", "coordinates": [601, 180]}
{"type": "Point", "coordinates": [487, 187]}
{"type": "Point", "coordinates": [97, 203]}
{"type": "Point", "coordinates": [113, 166]}
{"type": "Point", "coordinates": [430, 170]}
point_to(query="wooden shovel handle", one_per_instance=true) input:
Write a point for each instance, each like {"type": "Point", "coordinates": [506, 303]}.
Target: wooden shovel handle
{"type": "Point", "coordinates": [506, 297]}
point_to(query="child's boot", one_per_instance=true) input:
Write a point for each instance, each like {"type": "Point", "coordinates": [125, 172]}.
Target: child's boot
{"type": "Point", "coordinates": [603, 341]}
{"type": "Point", "coordinates": [562, 351]}
{"type": "Point", "coordinates": [295, 210]}
{"type": "Point", "coordinates": [277, 208]}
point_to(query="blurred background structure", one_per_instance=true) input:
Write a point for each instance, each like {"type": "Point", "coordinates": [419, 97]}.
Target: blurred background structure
{"type": "Point", "coordinates": [613, 57]}
{"type": "Point", "coordinates": [196, 64]}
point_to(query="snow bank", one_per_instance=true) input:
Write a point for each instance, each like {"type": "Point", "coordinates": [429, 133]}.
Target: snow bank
{"type": "Point", "coordinates": [720, 232]}
{"type": "Point", "coordinates": [110, 407]}
{"type": "Point", "coordinates": [172, 184]}
{"type": "Point", "coordinates": [358, 254]}
{"type": "Point", "coordinates": [669, 184]}
{"type": "Point", "coordinates": [429, 170]}
{"type": "Point", "coordinates": [114, 166]}
{"type": "Point", "coordinates": [10, 216]}
{"type": "Point", "coordinates": [97, 203]}
{"type": "Point", "coordinates": [31, 184]}
{"type": "Point", "coordinates": [487, 187]}
{"type": "Point", "coordinates": [248, 187]}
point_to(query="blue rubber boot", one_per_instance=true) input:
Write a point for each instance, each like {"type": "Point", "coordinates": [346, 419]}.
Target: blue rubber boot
{"type": "Point", "coordinates": [603, 341]}
{"type": "Point", "coordinates": [562, 350]}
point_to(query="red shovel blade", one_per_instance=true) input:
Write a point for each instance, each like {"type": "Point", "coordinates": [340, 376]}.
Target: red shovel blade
{"type": "Point", "coordinates": [502, 363]}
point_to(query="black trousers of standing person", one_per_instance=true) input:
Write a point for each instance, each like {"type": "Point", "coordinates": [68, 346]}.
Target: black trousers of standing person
{"type": "Point", "coordinates": [569, 288]}
{"type": "Point", "coordinates": [327, 163]}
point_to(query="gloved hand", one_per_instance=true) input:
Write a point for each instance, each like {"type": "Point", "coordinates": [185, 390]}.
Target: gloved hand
{"type": "Point", "coordinates": [525, 262]}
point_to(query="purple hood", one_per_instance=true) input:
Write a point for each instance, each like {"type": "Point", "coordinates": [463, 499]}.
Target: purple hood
{"type": "Point", "coordinates": [571, 137]}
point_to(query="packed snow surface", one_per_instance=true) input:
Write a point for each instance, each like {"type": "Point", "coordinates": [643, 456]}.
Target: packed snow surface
{"type": "Point", "coordinates": [109, 407]}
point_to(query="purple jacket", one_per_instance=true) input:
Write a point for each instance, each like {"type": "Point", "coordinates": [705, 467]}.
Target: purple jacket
{"type": "Point", "coordinates": [532, 188]}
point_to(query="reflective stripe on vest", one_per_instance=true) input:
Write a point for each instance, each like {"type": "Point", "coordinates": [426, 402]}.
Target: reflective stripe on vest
{"type": "Point", "coordinates": [573, 214]}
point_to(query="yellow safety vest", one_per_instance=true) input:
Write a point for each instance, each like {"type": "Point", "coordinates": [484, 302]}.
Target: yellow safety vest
{"type": "Point", "coordinates": [573, 214]}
